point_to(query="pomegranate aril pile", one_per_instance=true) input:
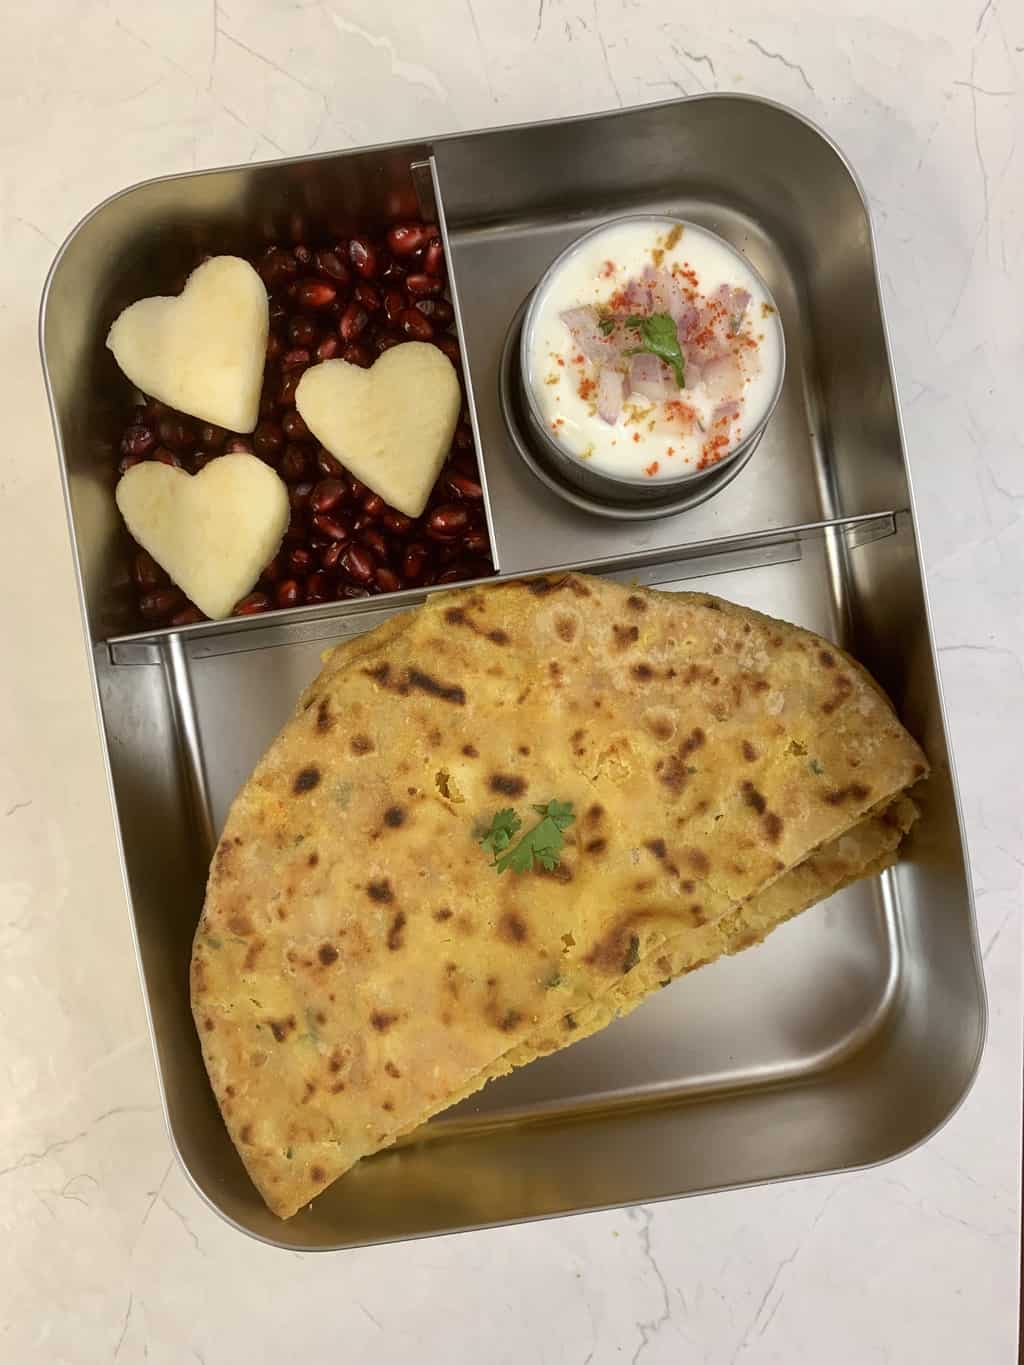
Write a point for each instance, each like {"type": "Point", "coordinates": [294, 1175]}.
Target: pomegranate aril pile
{"type": "Point", "coordinates": [351, 299]}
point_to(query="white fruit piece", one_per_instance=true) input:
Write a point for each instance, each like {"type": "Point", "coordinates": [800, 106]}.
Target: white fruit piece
{"type": "Point", "coordinates": [391, 425]}
{"type": "Point", "coordinates": [203, 351]}
{"type": "Point", "coordinates": [214, 531]}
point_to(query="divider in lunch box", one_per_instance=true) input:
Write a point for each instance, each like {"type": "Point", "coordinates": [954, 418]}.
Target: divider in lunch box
{"type": "Point", "coordinates": [665, 564]}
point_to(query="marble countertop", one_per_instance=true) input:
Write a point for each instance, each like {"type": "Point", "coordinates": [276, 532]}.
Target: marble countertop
{"type": "Point", "coordinates": [106, 1253]}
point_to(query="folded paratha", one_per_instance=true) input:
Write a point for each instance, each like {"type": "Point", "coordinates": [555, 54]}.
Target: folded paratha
{"type": "Point", "coordinates": [360, 965]}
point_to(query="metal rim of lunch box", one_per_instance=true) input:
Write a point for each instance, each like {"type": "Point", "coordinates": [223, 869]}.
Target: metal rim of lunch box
{"type": "Point", "coordinates": [609, 494]}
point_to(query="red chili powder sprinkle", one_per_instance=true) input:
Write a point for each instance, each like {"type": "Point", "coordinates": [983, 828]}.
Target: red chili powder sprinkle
{"type": "Point", "coordinates": [608, 269]}
{"type": "Point", "coordinates": [652, 468]}
{"type": "Point", "coordinates": [636, 436]}
{"type": "Point", "coordinates": [586, 388]}
{"type": "Point", "coordinates": [578, 359]}
{"type": "Point", "coordinates": [712, 451]}
{"type": "Point", "coordinates": [561, 362]}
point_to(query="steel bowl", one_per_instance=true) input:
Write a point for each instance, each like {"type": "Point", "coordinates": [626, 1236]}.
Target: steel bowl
{"type": "Point", "coordinates": [619, 490]}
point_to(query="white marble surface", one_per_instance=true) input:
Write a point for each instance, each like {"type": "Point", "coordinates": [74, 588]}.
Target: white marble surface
{"type": "Point", "coordinates": [106, 1253]}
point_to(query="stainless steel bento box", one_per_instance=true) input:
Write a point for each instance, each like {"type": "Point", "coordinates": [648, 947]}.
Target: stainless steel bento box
{"type": "Point", "coordinates": [855, 1031]}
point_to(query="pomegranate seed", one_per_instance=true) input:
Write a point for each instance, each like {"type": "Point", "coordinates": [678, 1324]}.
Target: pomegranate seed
{"type": "Point", "coordinates": [289, 593]}
{"type": "Point", "coordinates": [433, 257]}
{"type": "Point", "coordinates": [292, 360]}
{"type": "Point", "coordinates": [358, 353]}
{"type": "Point", "coordinates": [368, 297]}
{"type": "Point", "coordinates": [137, 440]}
{"type": "Point", "coordinates": [447, 521]}
{"type": "Point", "coordinates": [413, 563]}
{"type": "Point", "coordinates": [328, 348]}
{"type": "Point", "coordinates": [353, 321]}
{"type": "Point", "coordinates": [166, 456]}
{"type": "Point", "coordinates": [327, 494]}
{"type": "Point", "coordinates": [357, 489]}
{"type": "Point", "coordinates": [294, 464]}
{"type": "Point", "coordinates": [329, 526]}
{"type": "Point", "coordinates": [373, 505]}
{"type": "Point", "coordinates": [278, 268]}
{"type": "Point", "coordinates": [286, 396]}
{"type": "Point", "coordinates": [349, 591]}
{"type": "Point", "coordinates": [374, 541]}
{"type": "Point", "coordinates": [318, 588]}
{"type": "Point", "coordinates": [463, 438]}
{"type": "Point", "coordinates": [327, 465]}
{"type": "Point", "coordinates": [252, 604]}
{"type": "Point", "coordinates": [299, 561]}
{"type": "Point", "coordinates": [439, 311]}
{"type": "Point", "coordinates": [273, 573]}
{"type": "Point", "coordinates": [364, 257]}
{"type": "Point", "coordinates": [423, 286]}
{"type": "Point", "coordinates": [415, 325]}
{"type": "Point", "coordinates": [394, 303]}
{"type": "Point", "coordinates": [159, 603]}
{"type": "Point", "coordinates": [176, 434]}
{"type": "Point", "coordinates": [396, 522]}
{"type": "Point", "coordinates": [475, 542]}
{"type": "Point", "coordinates": [211, 437]}
{"type": "Point", "coordinates": [462, 487]}
{"type": "Point", "coordinates": [387, 579]}
{"type": "Point", "coordinates": [314, 293]}
{"type": "Point", "coordinates": [302, 331]}
{"type": "Point", "coordinates": [302, 252]}
{"type": "Point", "coordinates": [405, 238]}
{"type": "Point", "coordinates": [385, 340]}
{"type": "Point", "coordinates": [299, 494]}
{"type": "Point", "coordinates": [146, 572]}
{"type": "Point", "coordinates": [330, 555]}
{"type": "Point", "coordinates": [274, 347]}
{"type": "Point", "coordinates": [188, 616]}
{"type": "Point", "coordinates": [329, 263]}
{"type": "Point", "coordinates": [129, 462]}
{"type": "Point", "coordinates": [200, 460]}
{"type": "Point", "coordinates": [294, 427]}
{"type": "Point", "coordinates": [358, 564]}
{"type": "Point", "coordinates": [267, 441]}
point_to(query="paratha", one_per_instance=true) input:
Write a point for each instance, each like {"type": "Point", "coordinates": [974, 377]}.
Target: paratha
{"type": "Point", "coordinates": [360, 965]}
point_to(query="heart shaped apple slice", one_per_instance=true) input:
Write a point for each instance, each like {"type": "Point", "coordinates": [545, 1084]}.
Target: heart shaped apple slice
{"type": "Point", "coordinates": [214, 531]}
{"type": "Point", "coordinates": [203, 351]}
{"type": "Point", "coordinates": [391, 425]}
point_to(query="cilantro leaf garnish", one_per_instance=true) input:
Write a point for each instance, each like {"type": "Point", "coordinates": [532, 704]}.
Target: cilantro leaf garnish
{"type": "Point", "coordinates": [659, 337]}
{"type": "Point", "coordinates": [541, 844]}
{"type": "Point", "coordinates": [607, 326]}
{"type": "Point", "coordinates": [499, 835]}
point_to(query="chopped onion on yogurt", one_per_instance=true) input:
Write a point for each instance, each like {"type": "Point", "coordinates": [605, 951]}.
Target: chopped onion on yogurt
{"type": "Point", "coordinates": [654, 349]}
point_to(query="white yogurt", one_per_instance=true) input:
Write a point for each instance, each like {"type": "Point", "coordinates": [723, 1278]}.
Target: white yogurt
{"type": "Point", "coordinates": [692, 428]}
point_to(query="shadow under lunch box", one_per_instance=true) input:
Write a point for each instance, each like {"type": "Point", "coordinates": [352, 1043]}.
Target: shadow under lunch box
{"type": "Point", "coordinates": [854, 1032]}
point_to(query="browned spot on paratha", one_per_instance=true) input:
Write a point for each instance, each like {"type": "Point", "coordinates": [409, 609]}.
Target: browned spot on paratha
{"type": "Point", "coordinates": [395, 931]}
{"type": "Point", "coordinates": [512, 927]}
{"type": "Point", "coordinates": [507, 784]}
{"type": "Point", "coordinates": [306, 779]}
{"type": "Point", "coordinates": [855, 791]}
